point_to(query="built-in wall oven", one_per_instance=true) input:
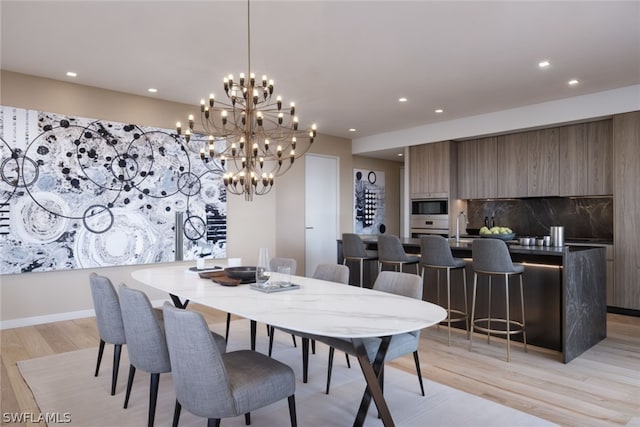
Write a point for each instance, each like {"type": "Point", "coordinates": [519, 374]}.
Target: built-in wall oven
{"type": "Point", "coordinates": [429, 216]}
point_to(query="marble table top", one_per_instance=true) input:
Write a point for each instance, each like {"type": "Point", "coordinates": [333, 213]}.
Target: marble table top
{"type": "Point", "coordinates": [318, 307]}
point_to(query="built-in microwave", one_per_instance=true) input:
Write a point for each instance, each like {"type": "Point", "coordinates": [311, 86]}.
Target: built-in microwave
{"type": "Point", "coordinates": [429, 207]}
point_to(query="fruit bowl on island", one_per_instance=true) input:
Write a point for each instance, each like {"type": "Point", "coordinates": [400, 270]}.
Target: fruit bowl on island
{"type": "Point", "coordinates": [502, 233]}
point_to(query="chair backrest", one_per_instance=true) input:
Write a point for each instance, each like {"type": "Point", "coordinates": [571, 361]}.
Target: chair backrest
{"type": "Point", "coordinates": [435, 251]}
{"type": "Point", "coordinates": [201, 382]}
{"type": "Point", "coordinates": [390, 248]}
{"type": "Point", "coordinates": [353, 246]}
{"type": "Point", "coordinates": [332, 272]}
{"type": "Point", "coordinates": [405, 284]}
{"type": "Point", "coordinates": [147, 345]}
{"type": "Point", "coordinates": [491, 255]}
{"type": "Point", "coordinates": [107, 308]}
{"type": "Point", "coordinates": [274, 263]}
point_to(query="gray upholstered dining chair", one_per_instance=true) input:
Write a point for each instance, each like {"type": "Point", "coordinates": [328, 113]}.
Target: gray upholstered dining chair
{"type": "Point", "coordinates": [435, 254]}
{"type": "Point", "coordinates": [332, 273]}
{"type": "Point", "coordinates": [405, 284]}
{"type": "Point", "coordinates": [354, 249]}
{"type": "Point", "coordinates": [109, 320]}
{"type": "Point", "coordinates": [214, 385]}
{"type": "Point", "coordinates": [491, 258]}
{"type": "Point", "coordinates": [390, 251]}
{"type": "Point", "coordinates": [146, 343]}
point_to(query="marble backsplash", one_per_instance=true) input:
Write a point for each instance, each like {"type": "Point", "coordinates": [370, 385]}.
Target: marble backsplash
{"type": "Point", "coordinates": [581, 217]}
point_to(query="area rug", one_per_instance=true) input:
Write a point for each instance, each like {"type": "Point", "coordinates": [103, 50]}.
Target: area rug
{"type": "Point", "coordinates": [66, 390]}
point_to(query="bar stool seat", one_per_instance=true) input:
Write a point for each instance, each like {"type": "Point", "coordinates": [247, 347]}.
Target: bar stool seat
{"type": "Point", "coordinates": [354, 249]}
{"type": "Point", "coordinates": [390, 251]}
{"type": "Point", "coordinates": [491, 258]}
{"type": "Point", "coordinates": [435, 253]}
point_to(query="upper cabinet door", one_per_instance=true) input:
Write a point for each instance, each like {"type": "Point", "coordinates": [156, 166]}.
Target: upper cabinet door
{"type": "Point", "coordinates": [513, 165]}
{"type": "Point", "coordinates": [600, 166]}
{"type": "Point", "coordinates": [429, 170]}
{"type": "Point", "coordinates": [468, 169]}
{"type": "Point", "coordinates": [543, 163]}
{"type": "Point", "coordinates": [477, 168]}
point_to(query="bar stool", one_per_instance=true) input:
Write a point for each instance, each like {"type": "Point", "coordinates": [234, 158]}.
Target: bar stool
{"type": "Point", "coordinates": [390, 251]}
{"type": "Point", "coordinates": [354, 249]}
{"type": "Point", "coordinates": [435, 253]}
{"type": "Point", "coordinates": [491, 257]}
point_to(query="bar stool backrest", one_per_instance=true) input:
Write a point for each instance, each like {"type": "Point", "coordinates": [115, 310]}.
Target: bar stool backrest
{"type": "Point", "coordinates": [353, 246]}
{"type": "Point", "coordinates": [390, 248]}
{"type": "Point", "coordinates": [435, 250]}
{"type": "Point", "coordinates": [491, 255]}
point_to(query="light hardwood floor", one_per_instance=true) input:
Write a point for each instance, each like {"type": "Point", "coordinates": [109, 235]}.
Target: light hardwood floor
{"type": "Point", "coordinates": [599, 388]}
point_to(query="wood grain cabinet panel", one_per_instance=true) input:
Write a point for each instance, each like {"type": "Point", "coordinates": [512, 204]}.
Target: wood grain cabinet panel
{"type": "Point", "coordinates": [626, 209]}
{"type": "Point", "coordinates": [586, 159]}
{"type": "Point", "coordinates": [477, 169]}
{"type": "Point", "coordinates": [543, 163]}
{"type": "Point", "coordinates": [430, 170]}
{"type": "Point", "coordinates": [513, 165]}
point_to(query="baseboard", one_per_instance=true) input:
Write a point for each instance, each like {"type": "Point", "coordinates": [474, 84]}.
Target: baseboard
{"type": "Point", "coordinates": [624, 311]}
{"type": "Point", "coordinates": [57, 317]}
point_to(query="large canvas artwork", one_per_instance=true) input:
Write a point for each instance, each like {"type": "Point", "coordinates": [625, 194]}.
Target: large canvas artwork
{"type": "Point", "coordinates": [78, 193]}
{"type": "Point", "coordinates": [369, 204]}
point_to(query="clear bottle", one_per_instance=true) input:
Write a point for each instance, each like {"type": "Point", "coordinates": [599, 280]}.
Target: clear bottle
{"type": "Point", "coordinates": [262, 269]}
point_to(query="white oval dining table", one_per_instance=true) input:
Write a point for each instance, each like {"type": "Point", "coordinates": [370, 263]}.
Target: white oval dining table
{"type": "Point", "coordinates": [318, 307]}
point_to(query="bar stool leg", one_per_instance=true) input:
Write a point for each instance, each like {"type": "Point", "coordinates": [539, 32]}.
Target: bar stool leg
{"type": "Point", "coordinates": [448, 303]}
{"type": "Point", "coordinates": [489, 314]}
{"type": "Point", "coordinates": [473, 309]}
{"type": "Point", "coordinates": [506, 292]}
{"type": "Point", "coordinates": [438, 294]}
{"type": "Point", "coordinates": [361, 272]}
{"type": "Point", "coordinates": [466, 304]}
{"type": "Point", "coordinates": [524, 329]}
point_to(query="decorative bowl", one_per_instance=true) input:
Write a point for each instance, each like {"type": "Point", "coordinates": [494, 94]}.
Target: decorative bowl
{"type": "Point", "coordinates": [504, 237]}
{"type": "Point", "coordinates": [243, 273]}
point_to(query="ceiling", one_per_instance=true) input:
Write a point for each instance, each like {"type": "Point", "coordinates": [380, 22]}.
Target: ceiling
{"type": "Point", "coordinates": [344, 63]}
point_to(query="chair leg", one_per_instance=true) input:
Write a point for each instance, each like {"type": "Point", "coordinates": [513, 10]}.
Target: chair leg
{"type": "Point", "coordinates": [117, 351]}
{"type": "Point", "coordinates": [271, 331]}
{"type": "Point", "coordinates": [348, 362]}
{"type": "Point", "coordinates": [506, 297]}
{"type": "Point", "coordinates": [293, 337]}
{"type": "Point", "coordinates": [329, 367]}
{"type": "Point", "coordinates": [176, 414]}
{"type": "Point", "coordinates": [418, 371]}
{"type": "Point", "coordinates": [132, 374]}
{"type": "Point", "coordinates": [100, 352]}
{"type": "Point", "coordinates": [305, 359]}
{"type": "Point", "coordinates": [247, 418]}
{"type": "Point", "coordinates": [292, 410]}
{"type": "Point", "coordinates": [473, 310]}
{"type": "Point", "coordinates": [226, 331]}
{"type": "Point", "coordinates": [524, 329]}
{"type": "Point", "coordinates": [153, 397]}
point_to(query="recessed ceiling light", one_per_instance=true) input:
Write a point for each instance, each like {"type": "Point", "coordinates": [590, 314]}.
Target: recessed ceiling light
{"type": "Point", "coordinates": [573, 82]}
{"type": "Point", "coordinates": [544, 64]}
{"type": "Point", "coordinates": [152, 90]}
{"type": "Point", "coordinates": [400, 154]}
{"type": "Point", "coordinates": [352, 129]}
{"type": "Point", "coordinates": [439, 110]}
{"type": "Point", "coordinates": [72, 74]}
{"type": "Point", "coordinates": [403, 99]}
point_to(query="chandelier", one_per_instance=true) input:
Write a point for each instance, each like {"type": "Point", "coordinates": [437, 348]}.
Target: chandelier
{"type": "Point", "coordinates": [249, 133]}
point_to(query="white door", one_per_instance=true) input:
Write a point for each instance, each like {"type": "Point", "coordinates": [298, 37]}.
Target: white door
{"type": "Point", "coordinates": [321, 211]}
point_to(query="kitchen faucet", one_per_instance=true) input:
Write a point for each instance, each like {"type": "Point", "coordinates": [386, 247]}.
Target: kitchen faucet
{"type": "Point", "coordinates": [466, 221]}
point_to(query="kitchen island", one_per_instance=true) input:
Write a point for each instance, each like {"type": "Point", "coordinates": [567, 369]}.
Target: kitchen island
{"type": "Point", "coordinates": [564, 292]}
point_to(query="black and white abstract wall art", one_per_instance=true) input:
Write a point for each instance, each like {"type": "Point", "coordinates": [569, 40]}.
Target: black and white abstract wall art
{"type": "Point", "coordinates": [82, 193]}
{"type": "Point", "coordinates": [369, 203]}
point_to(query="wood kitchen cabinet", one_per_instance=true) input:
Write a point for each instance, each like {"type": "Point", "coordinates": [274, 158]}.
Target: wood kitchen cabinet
{"type": "Point", "coordinates": [626, 209]}
{"type": "Point", "coordinates": [586, 159]}
{"type": "Point", "coordinates": [477, 168]}
{"type": "Point", "coordinates": [430, 170]}
{"type": "Point", "coordinates": [528, 164]}
{"type": "Point", "coordinates": [543, 164]}
{"type": "Point", "coordinates": [513, 164]}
